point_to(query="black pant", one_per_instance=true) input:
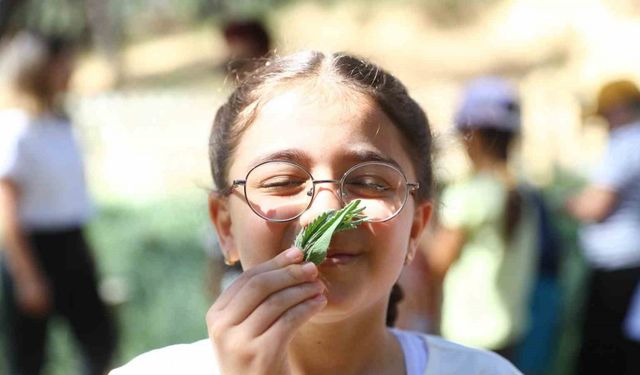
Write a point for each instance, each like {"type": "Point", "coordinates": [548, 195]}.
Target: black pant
{"type": "Point", "coordinates": [68, 265]}
{"type": "Point", "coordinates": [605, 349]}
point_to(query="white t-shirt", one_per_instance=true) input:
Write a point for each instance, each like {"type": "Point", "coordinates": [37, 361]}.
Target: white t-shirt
{"type": "Point", "coordinates": [41, 156]}
{"type": "Point", "coordinates": [614, 243]}
{"type": "Point", "coordinates": [442, 358]}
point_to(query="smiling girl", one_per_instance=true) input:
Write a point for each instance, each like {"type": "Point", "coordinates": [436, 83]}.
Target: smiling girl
{"type": "Point", "coordinates": [305, 134]}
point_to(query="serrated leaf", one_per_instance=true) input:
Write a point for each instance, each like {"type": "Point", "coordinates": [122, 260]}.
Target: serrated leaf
{"type": "Point", "coordinates": [303, 237]}
{"type": "Point", "coordinates": [315, 238]}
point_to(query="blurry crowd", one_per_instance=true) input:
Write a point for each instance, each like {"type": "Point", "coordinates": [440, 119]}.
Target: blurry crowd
{"type": "Point", "coordinates": [488, 274]}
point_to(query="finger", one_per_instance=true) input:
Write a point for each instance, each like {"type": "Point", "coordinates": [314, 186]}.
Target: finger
{"type": "Point", "coordinates": [278, 303]}
{"type": "Point", "coordinates": [285, 258]}
{"type": "Point", "coordinates": [261, 286]}
{"type": "Point", "coordinates": [283, 329]}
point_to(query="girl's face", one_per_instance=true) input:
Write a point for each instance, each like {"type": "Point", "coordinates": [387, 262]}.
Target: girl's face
{"type": "Point", "coordinates": [327, 130]}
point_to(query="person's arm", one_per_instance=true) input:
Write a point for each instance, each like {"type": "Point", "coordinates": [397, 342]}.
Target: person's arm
{"type": "Point", "coordinates": [593, 204]}
{"type": "Point", "coordinates": [441, 252]}
{"type": "Point", "coordinates": [444, 250]}
{"type": "Point", "coordinates": [31, 287]}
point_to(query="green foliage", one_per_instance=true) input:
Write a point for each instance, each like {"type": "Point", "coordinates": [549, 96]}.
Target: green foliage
{"type": "Point", "coordinates": [157, 250]}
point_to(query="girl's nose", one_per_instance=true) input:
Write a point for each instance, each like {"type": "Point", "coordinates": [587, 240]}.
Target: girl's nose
{"type": "Point", "coordinates": [327, 197]}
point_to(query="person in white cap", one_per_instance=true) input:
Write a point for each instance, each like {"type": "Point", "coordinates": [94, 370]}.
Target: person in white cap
{"type": "Point", "coordinates": [485, 246]}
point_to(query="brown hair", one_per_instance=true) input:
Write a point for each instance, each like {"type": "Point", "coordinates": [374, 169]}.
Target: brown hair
{"type": "Point", "coordinates": [497, 143]}
{"type": "Point", "coordinates": [24, 68]}
{"type": "Point", "coordinates": [280, 73]}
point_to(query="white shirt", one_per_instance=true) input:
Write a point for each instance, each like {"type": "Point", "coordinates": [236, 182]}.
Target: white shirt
{"type": "Point", "coordinates": [442, 358]}
{"type": "Point", "coordinates": [415, 351]}
{"type": "Point", "coordinates": [614, 243]}
{"type": "Point", "coordinates": [41, 156]}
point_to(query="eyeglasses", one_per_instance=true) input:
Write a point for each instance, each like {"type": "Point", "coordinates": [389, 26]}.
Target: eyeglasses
{"type": "Point", "coordinates": [280, 191]}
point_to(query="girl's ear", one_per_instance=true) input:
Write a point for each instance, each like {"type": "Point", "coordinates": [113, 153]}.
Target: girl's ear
{"type": "Point", "coordinates": [221, 219]}
{"type": "Point", "coordinates": [421, 218]}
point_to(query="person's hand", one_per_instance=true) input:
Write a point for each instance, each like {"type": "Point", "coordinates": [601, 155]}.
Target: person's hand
{"type": "Point", "coordinates": [33, 295]}
{"type": "Point", "coordinates": [253, 321]}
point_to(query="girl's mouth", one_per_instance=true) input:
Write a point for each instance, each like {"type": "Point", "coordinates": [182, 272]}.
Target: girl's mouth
{"type": "Point", "coordinates": [336, 259]}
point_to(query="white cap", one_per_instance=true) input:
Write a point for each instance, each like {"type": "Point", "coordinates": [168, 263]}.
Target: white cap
{"type": "Point", "coordinates": [489, 103]}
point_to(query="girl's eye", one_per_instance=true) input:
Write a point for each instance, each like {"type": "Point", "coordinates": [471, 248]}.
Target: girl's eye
{"type": "Point", "coordinates": [368, 187]}
{"type": "Point", "coordinates": [282, 185]}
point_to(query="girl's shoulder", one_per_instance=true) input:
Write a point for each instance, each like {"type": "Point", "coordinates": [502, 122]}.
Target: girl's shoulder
{"type": "Point", "coordinates": [443, 357]}
{"type": "Point", "coordinates": [195, 359]}
{"type": "Point", "coordinates": [13, 120]}
{"type": "Point", "coordinates": [14, 127]}
{"type": "Point", "coordinates": [446, 357]}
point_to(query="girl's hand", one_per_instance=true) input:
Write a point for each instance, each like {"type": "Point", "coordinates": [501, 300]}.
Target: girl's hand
{"type": "Point", "coordinates": [33, 295]}
{"type": "Point", "coordinates": [253, 321]}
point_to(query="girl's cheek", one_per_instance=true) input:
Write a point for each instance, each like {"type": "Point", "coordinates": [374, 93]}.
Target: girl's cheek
{"type": "Point", "coordinates": [261, 241]}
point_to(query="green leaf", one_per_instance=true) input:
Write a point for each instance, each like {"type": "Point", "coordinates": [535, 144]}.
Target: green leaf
{"type": "Point", "coordinates": [315, 238]}
{"type": "Point", "coordinates": [303, 237]}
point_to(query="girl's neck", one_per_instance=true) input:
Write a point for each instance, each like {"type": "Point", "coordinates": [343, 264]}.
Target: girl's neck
{"type": "Point", "coordinates": [359, 345]}
{"type": "Point", "coordinates": [487, 163]}
{"type": "Point", "coordinates": [35, 107]}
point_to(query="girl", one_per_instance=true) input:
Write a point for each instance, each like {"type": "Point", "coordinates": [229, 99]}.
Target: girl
{"type": "Point", "coordinates": [487, 235]}
{"type": "Point", "coordinates": [305, 134]}
{"type": "Point", "coordinates": [47, 266]}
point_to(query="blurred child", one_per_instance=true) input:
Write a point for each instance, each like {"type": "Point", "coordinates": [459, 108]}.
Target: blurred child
{"type": "Point", "coordinates": [248, 45]}
{"type": "Point", "coordinates": [47, 266]}
{"type": "Point", "coordinates": [485, 247]}
{"type": "Point", "coordinates": [609, 208]}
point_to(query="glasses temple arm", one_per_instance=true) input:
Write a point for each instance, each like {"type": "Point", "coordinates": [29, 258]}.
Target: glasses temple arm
{"type": "Point", "coordinates": [227, 191]}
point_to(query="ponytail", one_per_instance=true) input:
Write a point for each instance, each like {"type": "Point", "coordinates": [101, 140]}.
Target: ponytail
{"type": "Point", "coordinates": [392, 309]}
{"type": "Point", "coordinates": [512, 213]}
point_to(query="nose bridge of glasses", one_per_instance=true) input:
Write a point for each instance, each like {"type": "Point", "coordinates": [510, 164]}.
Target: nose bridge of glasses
{"type": "Point", "coordinates": [316, 182]}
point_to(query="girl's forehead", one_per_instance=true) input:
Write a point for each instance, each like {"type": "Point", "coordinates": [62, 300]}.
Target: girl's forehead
{"type": "Point", "coordinates": [319, 126]}
{"type": "Point", "coordinates": [316, 96]}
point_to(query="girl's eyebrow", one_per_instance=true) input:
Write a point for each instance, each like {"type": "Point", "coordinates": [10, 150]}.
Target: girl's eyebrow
{"type": "Point", "coordinates": [292, 154]}
{"type": "Point", "coordinates": [369, 155]}
{"type": "Point", "coordinates": [300, 157]}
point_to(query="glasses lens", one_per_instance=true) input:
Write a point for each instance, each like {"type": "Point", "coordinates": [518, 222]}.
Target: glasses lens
{"type": "Point", "coordinates": [278, 191]}
{"type": "Point", "coordinates": [381, 188]}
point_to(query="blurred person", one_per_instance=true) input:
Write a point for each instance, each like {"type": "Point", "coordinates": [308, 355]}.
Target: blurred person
{"type": "Point", "coordinates": [609, 208]}
{"type": "Point", "coordinates": [47, 266]}
{"type": "Point", "coordinates": [484, 248]}
{"type": "Point", "coordinates": [248, 44]}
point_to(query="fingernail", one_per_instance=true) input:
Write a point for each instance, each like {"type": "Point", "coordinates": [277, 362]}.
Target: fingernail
{"type": "Point", "coordinates": [293, 253]}
{"type": "Point", "coordinates": [317, 285]}
{"type": "Point", "coordinates": [320, 299]}
{"type": "Point", "coordinates": [309, 268]}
